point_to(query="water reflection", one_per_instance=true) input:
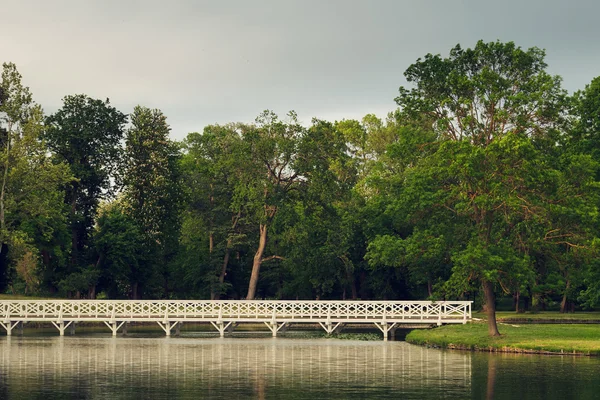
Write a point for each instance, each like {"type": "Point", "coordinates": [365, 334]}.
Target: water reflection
{"type": "Point", "coordinates": [84, 367]}
{"type": "Point", "coordinates": [521, 376]}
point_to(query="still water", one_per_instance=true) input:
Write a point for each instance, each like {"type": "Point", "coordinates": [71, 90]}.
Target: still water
{"type": "Point", "coordinates": [92, 367]}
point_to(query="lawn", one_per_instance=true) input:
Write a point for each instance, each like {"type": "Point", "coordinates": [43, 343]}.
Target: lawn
{"type": "Point", "coordinates": [583, 339]}
{"type": "Point", "coordinates": [549, 316]}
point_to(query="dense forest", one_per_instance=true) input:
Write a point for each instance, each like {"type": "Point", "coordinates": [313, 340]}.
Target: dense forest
{"type": "Point", "coordinates": [482, 184]}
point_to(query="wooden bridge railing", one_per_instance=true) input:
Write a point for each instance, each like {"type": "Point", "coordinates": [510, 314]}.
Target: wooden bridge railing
{"type": "Point", "coordinates": [225, 314]}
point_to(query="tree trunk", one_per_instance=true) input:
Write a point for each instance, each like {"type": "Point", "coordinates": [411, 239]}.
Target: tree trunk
{"type": "Point", "coordinates": [223, 269]}
{"type": "Point", "coordinates": [352, 282]}
{"type": "Point", "coordinates": [490, 302]}
{"type": "Point", "coordinates": [74, 234]}
{"type": "Point", "coordinates": [92, 292]}
{"type": "Point", "coordinates": [211, 245]}
{"type": "Point", "coordinates": [134, 291]}
{"type": "Point", "coordinates": [257, 262]}
{"type": "Point", "coordinates": [429, 288]}
{"type": "Point", "coordinates": [4, 180]}
{"type": "Point", "coordinates": [517, 300]}
{"type": "Point", "coordinates": [564, 302]}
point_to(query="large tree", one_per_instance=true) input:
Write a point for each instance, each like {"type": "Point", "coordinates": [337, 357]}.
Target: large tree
{"type": "Point", "coordinates": [152, 188]}
{"type": "Point", "coordinates": [494, 102]}
{"type": "Point", "coordinates": [86, 134]}
{"type": "Point", "coordinates": [266, 177]}
{"type": "Point", "coordinates": [31, 212]}
{"type": "Point", "coordinates": [208, 165]}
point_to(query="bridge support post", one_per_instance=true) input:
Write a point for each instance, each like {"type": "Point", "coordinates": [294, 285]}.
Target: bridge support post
{"type": "Point", "coordinates": [167, 326]}
{"type": "Point", "coordinates": [331, 328]}
{"type": "Point", "coordinates": [274, 327]}
{"type": "Point", "coordinates": [114, 326]}
{"type": "Point", "coordinates": [72, 330]}
{"type": "Point", "coordinates": [125, 326]}
{"type": "Point", "coordinates": [385, 328]}
{"type": "Point", "coordinates": [61, 326]}
{"type": "Point", "coordinates": [178, 328]}
{"type": "Point", "coordinates": [9, 326]}
{"type": "Point", "coordinates": [221, 326]}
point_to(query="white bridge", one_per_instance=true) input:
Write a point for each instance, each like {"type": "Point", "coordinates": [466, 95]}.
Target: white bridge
{"type": "Point", "coordinates": [225, 315]}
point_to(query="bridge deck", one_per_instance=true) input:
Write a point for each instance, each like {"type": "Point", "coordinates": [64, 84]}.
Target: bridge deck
{"type": "Point", "coordinates": [226, 314]}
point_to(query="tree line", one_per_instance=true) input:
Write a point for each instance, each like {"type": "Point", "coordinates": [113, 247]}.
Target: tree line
{"type": "Point", "coordinates": [481, 185]}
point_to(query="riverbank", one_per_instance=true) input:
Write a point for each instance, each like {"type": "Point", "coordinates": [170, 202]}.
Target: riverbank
{"type": "Point", "coordinates": [544, 317]}
{"type": "Point", "coordinates": [529, 338]}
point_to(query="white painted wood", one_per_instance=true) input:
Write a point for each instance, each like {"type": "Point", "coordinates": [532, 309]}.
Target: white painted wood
{"type": "Point", "coordinates": [223, 313]}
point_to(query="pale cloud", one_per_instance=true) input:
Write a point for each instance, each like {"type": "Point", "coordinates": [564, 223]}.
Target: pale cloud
{"type": "Point", "coordinates": [205, 62]}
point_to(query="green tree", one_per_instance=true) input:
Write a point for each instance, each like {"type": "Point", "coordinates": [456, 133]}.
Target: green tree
{"type": "Point", "coordinates": [488, 104]}
{"type": "Point", "coordinates": [266, 177]}
{"type": "Point", "coordinates": [86, 134]}
{"type": "Point", "coordinates": [208, 165]}
{"type": "Point", "coordinates": [152, 191]}
{"type": "Point", "coordinates": [32, 217]}
{"type": "Point", "coordinates": [119, 244]}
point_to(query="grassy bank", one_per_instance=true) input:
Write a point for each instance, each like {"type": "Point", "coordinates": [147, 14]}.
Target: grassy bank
{"type": "Point", "coordinates": [543, 317]}
{"type": "Point", "coordinates": [543, 339]}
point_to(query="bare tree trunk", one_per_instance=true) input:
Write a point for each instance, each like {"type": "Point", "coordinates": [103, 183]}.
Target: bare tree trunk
{"type": "Point", "coordinates": [490, 302]}
{"type": "Point", "coordinates": [211, 245]}
{"type": "Point", "coordinates": [564, 302]}
{"type": "Point", "coordinates": [4, 180]}
{"type": "Point", "coordinates": [74, 235]}
{"type": "Point", "coordinates": [258, 256]}
{"type": "Point", "coordinates": [223, 269]}
{"type": "Point", "coordinates": [134, 291]}
{"type": "Point", "coordinates": [429, 287]}
{"type": "Point", "coordinates": [352, 282]}
{"type": "Point", "coordinates": [517, 300]}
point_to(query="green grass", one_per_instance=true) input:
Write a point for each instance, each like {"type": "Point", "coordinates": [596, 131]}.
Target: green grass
{"type": "Point", "coordinates": [556, 338]}
{"type": "Point", "coordinates": [550, 316]}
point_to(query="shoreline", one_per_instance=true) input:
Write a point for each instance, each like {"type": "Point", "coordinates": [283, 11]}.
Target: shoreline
{"type": "Point", "coordinates": [541, 339]}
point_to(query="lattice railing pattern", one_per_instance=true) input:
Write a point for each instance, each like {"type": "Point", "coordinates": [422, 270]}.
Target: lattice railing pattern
{"type": "Point", "coordinates": [234, 309]}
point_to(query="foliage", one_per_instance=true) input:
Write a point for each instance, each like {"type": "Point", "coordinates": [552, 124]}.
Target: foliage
{"type": "Point", "coordinates": [482, 185]}
{"type": "Point", "coordinates": [85, 134]}
{"type": "Point", "coordinates": [152, 193]}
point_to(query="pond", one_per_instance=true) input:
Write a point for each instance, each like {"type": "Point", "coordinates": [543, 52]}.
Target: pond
{"type": "Point", "coordinates": [100, 367]}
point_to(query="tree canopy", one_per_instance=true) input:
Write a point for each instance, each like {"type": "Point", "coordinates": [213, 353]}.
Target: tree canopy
{"type": "Point", "coordinates": [482, 185]}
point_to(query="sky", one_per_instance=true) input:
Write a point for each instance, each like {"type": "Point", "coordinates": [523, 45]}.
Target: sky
{"type": "Point", "coordinates": [207, 62]}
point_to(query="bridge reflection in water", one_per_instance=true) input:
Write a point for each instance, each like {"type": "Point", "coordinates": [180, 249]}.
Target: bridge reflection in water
{"type": "Point", "coordinates": [227, 368]}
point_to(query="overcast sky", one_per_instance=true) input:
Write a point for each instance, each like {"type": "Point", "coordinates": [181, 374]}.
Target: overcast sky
{"type": "Point", "coordinates": [205, 62]}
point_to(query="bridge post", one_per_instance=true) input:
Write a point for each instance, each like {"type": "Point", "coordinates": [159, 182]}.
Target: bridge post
{"type": "Point", "coordinates": [72, 330]}
{"type": "Point", "coordinates": [167, 326]}
{"type": "Point", "coordinates": [221, 326]}
{"type": "Point", "coordinates": [274, 323]}
{"type": "Point", "coordinates": [114, 326]}
{"type": "Point", "coordinates": [178, 328]}
{"type": "Point", "coordinates": [8, 325]}
{"type": "Point", "coordinates": [61, 326]}
{"type": "Point", "coordinates": [385, 328]}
